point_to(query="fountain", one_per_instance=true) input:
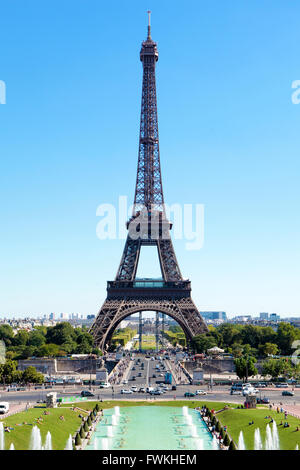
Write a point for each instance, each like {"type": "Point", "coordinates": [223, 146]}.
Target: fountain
{"type": "Point", "coordinates": [189, 420]}
{"type": "Point", "coordinates": [269, 439]}
{"type": "Point", "coordinates": [104, 443]}
{"type": "Point", "coordinates": [69, 444]}
{"type": "Point", "coordinates": [114, 420]}
{"type": "Point", "coordinates": [117, 410]}
{"type": "Point", "coordinates": [109, 431]}
{"type": "Point", "coordinates": [257, 440]}
{"type": "Point", "coordinates": [185, 411]}
{"type": "Point", "coordinates": [1, 436]}
{"type": "Point", "coordinates": [193, 430]}
{"type": "Point", "coordinates": [48, 443]}
{"type": "Point", "coordinates": [12, 447]}
{"type": "Point", "coordinates": [275, 436]}
{"type": "Point", "coordinates": [215, 444]}
{"type": "Point", "coordinates": [199, 443]}
{"type": "Point", "coordinates": [241, 443]}
{"type": "Point", "coordinates": [36, 439]}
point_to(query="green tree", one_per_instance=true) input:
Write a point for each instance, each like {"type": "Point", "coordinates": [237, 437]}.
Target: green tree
{"type": "Point", "coordinates": [273, 367]}
{"type": "Point", "coordinates": [7, 371]}
{"type": "Point", "coordinates": [21, 338]}
{"type": "Point", "coordinates": [60, 333]}
{"type": "Point", "coordinates": [6, 334]}
{"type": "Point", "coordinates": [270, 349]}
{"type": "Point", "coordinates": [36, 338]}
{"type": "Point", "coordinates": [286, 334]}
{"type": "Point", "coordinates": [201, 343]}
{"type": "Point", "coordinates": [31, 375]}
{"type": "Point", "coordinates": [245, 367]}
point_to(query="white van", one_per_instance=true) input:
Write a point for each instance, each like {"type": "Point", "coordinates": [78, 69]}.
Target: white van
{"type": "Point", "coordinates": [4, 407]}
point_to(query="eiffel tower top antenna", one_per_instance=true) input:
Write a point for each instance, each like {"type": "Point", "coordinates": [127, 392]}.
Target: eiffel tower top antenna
{"type": "Point", "coordinates": [149, 24]}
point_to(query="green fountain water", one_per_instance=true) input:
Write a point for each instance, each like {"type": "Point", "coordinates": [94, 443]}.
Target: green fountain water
{"type": "Point", "coordinates": [151, 428]}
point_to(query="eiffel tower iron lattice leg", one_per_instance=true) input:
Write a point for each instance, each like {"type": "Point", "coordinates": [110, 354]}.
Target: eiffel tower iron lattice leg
{"type": "Point", "coordinates": [148, 226]}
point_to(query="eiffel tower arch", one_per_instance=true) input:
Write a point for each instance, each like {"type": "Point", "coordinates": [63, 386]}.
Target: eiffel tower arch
{"type": "Point", "coordinates": [148, 226]}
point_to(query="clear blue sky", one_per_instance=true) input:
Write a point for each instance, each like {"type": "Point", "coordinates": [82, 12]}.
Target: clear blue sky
{"type": "Point", "coordinates": [229, 138]}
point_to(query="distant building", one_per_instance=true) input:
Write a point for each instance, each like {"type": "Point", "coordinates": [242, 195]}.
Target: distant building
{"type": "Point", "coordinates": [52, 316]}
{"type": "Point", "coordinates": [274, 317]}
{"type": "Point", "coordinates": [214, 315]}
{"type": "Point", "coordinates": [264, 316]}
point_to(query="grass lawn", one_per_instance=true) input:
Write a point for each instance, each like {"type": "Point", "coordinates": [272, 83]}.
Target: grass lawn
{"type": "Point", "coordinates": [238, 420]}
{"type": "Point", "coordinates": [60, 430]}
{"type": "Point", "coordinates": [235, 419]}
{"type": "Point", "coordinates": [111, 403]}
{"type": "Point", "coordinates": [148, 342]}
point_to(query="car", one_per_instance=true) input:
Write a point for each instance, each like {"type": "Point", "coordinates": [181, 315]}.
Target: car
{"type": "Point", "coordinates": [250, 391]}
{"type": "Point", "coordinates": [174, 387]}
{"type": "Point", "coordinates": [87, 393]}
{"type": "Point", "coordinates": [189, 394]}
{"type": "Point", "coordinates": [155, 392]}
{"type": "Point", "coordinates": [235, 392]}
{"type": "Point", "coordinates": [105, 385]}
{"type": "Point", "coordinates": [125, 382]}
{"type": "Point", "coordinates": [134, 388]}
{"type": "Point", "coordinates": [4, 407]}
{"type": "Point", "coordinates": [262, 401]}
{"type": "Point", "coordinates": [154, 376]}
{"type": "Point", "coordinates": [142, 390]}
{"type": "Point", "coordinates": [287, 393]}
{"type": "Point", "coordinates": [201, 392]}
{"type": "Point", "coordinates": [125, 391]}
{"type": "Point", "coordinates": [133, 368]}
{"type": "Point", "coordinates": [133, 378]}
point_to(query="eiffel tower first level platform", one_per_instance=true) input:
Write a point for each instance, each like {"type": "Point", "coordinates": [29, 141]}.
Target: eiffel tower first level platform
{"type": "Point", "coordinates": [148, 225]}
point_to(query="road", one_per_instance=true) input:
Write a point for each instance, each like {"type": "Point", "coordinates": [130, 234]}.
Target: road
{"type": "Point", "coordinates": [144, 376]}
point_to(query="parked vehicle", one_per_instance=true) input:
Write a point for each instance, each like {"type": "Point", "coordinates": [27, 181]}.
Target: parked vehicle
{"type": "Point", "coordinates": [4, 407]}
{"type": "Point", "coordinates": [201, 392]}
{"type": "Point", "coordinates": [125, 391]}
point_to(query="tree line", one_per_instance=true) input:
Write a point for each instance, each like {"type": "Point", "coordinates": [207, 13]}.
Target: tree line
{"type": "Point", "coordinates": [53, 341]}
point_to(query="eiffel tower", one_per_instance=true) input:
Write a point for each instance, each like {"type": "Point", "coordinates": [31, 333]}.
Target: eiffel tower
{"type": "Point", "coordinates": [148, 225]}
